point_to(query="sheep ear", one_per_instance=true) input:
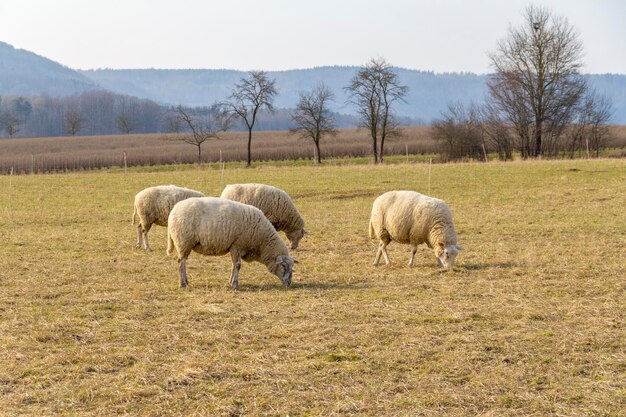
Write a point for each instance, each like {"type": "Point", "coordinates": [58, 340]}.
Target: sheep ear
{"type": "Point", "coordinates": [306, 233]}
{"type": "Point", "coordinates": [279, 259]}
{"type": "Point", "coordinates": [441, 245]}
{"type": "Point", "coordinates": [459, 247]}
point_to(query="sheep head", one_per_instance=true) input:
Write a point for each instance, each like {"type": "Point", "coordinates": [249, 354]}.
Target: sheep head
{"type": "Point", "coordinates": [282, 267]}
{"type": "Point", "coordinates": [446, 255]}
{"type": "Point", "coordinates": [295, 236]}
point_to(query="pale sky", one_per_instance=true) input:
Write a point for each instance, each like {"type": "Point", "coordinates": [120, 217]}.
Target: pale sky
{"type": "Point", "coordinates": [435, 35]}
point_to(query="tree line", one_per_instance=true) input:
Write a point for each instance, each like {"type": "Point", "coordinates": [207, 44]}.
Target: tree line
{"type": "Point", "coordinates": [538, 104]}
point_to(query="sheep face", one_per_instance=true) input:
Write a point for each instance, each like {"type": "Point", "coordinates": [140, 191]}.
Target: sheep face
{"type": "Point", "coordinates": [295, 236]}
{"type": "Point", "coordinates": [446, 255]}
{"type": "Point", "coordinates": [282, 267]}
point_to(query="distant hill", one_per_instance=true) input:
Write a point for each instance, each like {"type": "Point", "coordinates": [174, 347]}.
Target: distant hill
{"type": "Point", "coordinates": [429, 93]}
{"type": "Point", "coordinates": [25, 73]}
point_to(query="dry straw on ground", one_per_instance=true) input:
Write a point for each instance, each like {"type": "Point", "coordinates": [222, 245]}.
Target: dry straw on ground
{"type": "Point", "coordinates": [530, 323]}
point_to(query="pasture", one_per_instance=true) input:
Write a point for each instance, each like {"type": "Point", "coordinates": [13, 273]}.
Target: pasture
{"type": "Point", "coordinates": [529, 322]}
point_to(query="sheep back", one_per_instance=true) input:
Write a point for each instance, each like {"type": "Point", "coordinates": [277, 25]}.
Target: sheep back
{"type": "Point", "coordinates": [412, 218]}
{"type": "Point", "coordinates": [214, 226]}
{"type": "Point", "coordinates": [273, 202]}
{"type": "Point", "coordinates": [153, 204]}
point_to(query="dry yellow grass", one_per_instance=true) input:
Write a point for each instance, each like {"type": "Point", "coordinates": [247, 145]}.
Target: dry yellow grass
{"type": "Point", "coordinates": [530, 323]}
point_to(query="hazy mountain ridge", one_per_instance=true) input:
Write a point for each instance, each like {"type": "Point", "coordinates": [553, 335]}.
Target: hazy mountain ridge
{"type": "Point", "coordinates": [428, 92]}
{"type": "Point", "coordinates": [28, 74]}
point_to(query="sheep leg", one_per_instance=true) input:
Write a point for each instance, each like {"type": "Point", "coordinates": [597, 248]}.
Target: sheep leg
{"type": "Point", "coordinates": [145, 241]}
{"type": "Point", "coordinates": [378, 253]}
{"type": "Point", "coordinates": [139, 243]}
{"type": "Point", "coordinates": [413, 251]}
{"type": "Point", "coordinates": [384, 250]}
{"type": "Point", "coordinates": [234, 274]}
{"type": "Point", "coordinates": [182, 271]}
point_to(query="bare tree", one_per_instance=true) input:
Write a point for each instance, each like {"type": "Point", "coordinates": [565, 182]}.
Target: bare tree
{"type": "Point", "coordinates": [600, 112]}
{"type": "Point", "coordinates": [536, 84]}
{"type": "Point", "coordinates": [460, 131]}
{"type": "Point", "coordinates": [10, 123]}
{"type": "Point", "coordinates": [313, 119]}
{"type": "Point", "coordinates": [73, 122]}
{"type": "Point", "coordinates": [590, 130]}
{"type": "Point", "coordinates": [201, 128]}
{"type": "Point", "coordinates": [374, 90]}
{"type": "Point", "coordinates": [496, 133]}
{"type": "Point", "coordinates": [125, 123]}
{"type": "Point", "coordinates": [251, 95]}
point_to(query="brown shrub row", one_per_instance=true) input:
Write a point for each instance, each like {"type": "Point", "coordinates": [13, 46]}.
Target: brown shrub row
{"type": "Point", "coordinates": [38, 155]}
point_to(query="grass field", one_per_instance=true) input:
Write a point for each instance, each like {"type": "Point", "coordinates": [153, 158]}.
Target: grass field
{"type": "Point", "coordinates": [529, 323]}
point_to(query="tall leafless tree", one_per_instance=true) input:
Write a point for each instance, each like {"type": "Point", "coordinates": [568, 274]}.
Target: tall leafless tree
{"type": "Point", "coordinates": [312, 118]}
{"type": "Point", "coordinates": [73, 121]}
{"type": "Point", "coordinates": [374, 90]}
{"type": "Point", "coordinates": [250, 96]}
{"type": "Point", "coordinates": [201, 128]}
{"type": "Point", "coordinates": [536, 84]}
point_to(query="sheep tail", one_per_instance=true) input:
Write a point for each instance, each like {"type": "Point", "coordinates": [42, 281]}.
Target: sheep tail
{"type": "Point", "coordinates": [170, 244]}
{"type": "Point", "coordinates": [372, 232]}
{"type": "Point", "coordinates": [134, 215]}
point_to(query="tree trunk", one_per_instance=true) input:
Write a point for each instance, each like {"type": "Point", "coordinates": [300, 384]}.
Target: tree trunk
{"type": "Point", "coordinates": [538, 139]}
{"type": "Point", "coordinates": [249, 148]}
{"type": "Point", "coordinates": [375, 147]}
{"type": "Point", "coordinates": [199, 154]}
{"type": "Point", "coordinates": [318, 156]}
{"type": "Point", "coordinates": [382, 149]}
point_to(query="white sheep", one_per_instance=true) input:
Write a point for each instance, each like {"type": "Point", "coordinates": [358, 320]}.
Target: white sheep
{"type": "Point", "coordinates": [274, 203]}
{"type": "Point", "coordinates": [153, 206]}
{"type": "Point", "coordinates": [412, 218]}
{"type": "Point", "coordinates": [216, 226]}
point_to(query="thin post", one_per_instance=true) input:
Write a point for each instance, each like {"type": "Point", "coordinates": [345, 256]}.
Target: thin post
{"type": "Point", "coordinates": [10, 190]}
{"type": "Point", "coordinates": [32, 163]}
{"type": "Point", "coordinates": [587, 140]}
{"type": "Point", "coordinates": [124, 162]}
{"type": "Point", "coordinates": [484, 151]}
{"type": "Point", "coordinates": [430, 165]}
{"type": "Point", "coordinates": [406, 148]}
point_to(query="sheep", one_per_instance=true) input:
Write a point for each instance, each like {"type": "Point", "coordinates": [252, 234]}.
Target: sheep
{"type": "Point", "coordinates": [216, 226]}
{"type": "Point", "coordinates": [274, 203]}
{"type": "Point", "coordinates": [153, 206]}
{"type": "Point", "coordinates": [413, 218]}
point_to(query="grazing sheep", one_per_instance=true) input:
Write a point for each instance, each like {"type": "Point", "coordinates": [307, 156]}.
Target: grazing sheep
{"type": "Point", "coordinates": [274, 203]}
{"type": "Point", "coordinates": [413, 218]}
{"type": "Point", "coordinates": [153, 206]}
{"type": "Point", "coordinates": [216, 226]}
